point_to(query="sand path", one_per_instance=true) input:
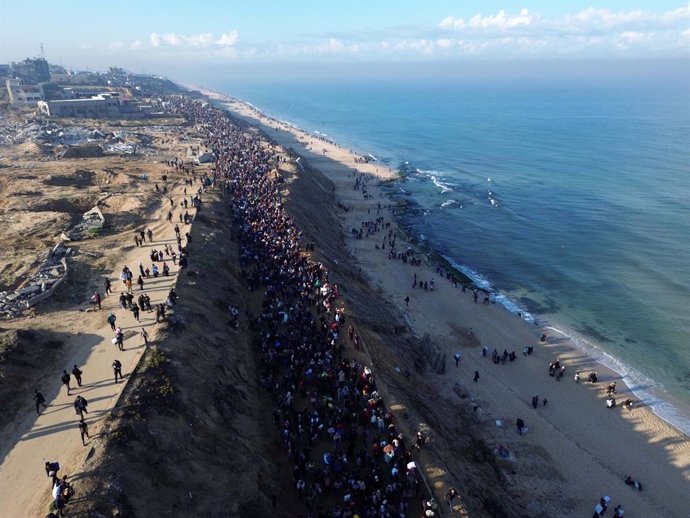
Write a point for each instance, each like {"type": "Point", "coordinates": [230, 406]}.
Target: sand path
{"type": "Point", "coordinates": [576, 450]}
{"type": "Point", "coordinates": [54, 434]}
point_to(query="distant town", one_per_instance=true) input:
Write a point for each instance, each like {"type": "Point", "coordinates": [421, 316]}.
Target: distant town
{"type": "Point", "coordinates": [58, 92]}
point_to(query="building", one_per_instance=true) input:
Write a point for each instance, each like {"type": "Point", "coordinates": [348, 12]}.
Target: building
{"type": "Point", "coordinates": [31, 71]}
{"type": "Point", "coordinates": [97, 107]}
{"type": "Point", "coordinates": [21, 94]}
{"type": "Point", "coordinates": [106, 105]}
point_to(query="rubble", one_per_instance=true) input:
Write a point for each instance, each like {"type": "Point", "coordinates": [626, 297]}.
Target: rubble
{"type": "Point", "coordinates": [79, 141]}
{"type": "Point", "coordinates": [92, 221]}
{"type": "Point", "coordinates": [40, 285]}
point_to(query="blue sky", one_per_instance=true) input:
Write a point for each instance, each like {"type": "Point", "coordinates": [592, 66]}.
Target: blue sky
{"type": "Point", "coordinates": [173, 36]}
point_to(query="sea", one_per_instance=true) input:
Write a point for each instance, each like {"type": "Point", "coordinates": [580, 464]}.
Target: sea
{"type": "Point", "coordinates": [569, 201]}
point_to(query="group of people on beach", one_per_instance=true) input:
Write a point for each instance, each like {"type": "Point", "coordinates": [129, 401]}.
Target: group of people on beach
{"type": "Point", "coordinates": [348, 457]}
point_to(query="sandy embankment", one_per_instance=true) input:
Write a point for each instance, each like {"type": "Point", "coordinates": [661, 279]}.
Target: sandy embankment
{"type": "Point", "coordinates": [576, 449]}
{"type": "Point", "coordinates": [28, 441]}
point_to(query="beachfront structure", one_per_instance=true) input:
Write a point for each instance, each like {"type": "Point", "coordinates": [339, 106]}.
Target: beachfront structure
{"type": "Point", "coordinates": [105, 105]}
{"type": "Point", "coordinates": [21, 94]}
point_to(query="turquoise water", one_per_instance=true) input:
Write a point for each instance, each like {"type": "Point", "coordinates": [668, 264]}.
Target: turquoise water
{"type": "Point", "coordinates": [573, 202]}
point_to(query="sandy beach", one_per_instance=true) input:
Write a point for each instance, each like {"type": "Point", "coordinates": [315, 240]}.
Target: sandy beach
{"type": "Point", "coordinates": [575, 451]}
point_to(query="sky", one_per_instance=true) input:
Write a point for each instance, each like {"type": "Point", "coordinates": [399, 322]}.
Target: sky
{"type": "Point", "coordinates": [178, 38]}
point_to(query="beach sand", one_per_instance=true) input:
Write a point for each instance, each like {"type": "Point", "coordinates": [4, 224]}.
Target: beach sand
{"type": "Point", "coordinates": [575, 451]}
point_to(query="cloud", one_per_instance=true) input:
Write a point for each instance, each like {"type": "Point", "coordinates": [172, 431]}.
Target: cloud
{"type": "Point", "coordinates": [196, 41]}
{"type": "Point", "coordinates": [228, 39]}
{"type": "Point", "coordinates": [500, 21]}
{"type": "Point", "coordinates": [585, 33]}
{"type": "Point", "coordinates": [605, 30]}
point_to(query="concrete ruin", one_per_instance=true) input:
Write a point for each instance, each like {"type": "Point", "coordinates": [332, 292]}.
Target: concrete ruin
{"type": "Point", "coordinates": [92, 222]}
{"type": "Point", "coordinates": [39, 286]}
{"type": "Point", "coordinates": [205, 158]}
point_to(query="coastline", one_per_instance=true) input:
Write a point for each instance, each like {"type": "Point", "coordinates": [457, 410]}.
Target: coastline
{"type": "Point", "coordinates": [490, 324]}
{"type": "Point", "coordinates": [668, 408]}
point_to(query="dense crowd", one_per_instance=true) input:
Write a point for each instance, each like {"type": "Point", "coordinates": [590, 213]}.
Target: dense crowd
{"type": "Point", "coordinates": [349, 459]}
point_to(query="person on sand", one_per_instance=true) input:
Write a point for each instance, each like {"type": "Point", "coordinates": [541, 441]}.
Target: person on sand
{"type": "Point", "coordinates": [407, 301]}
{"type": "Point", "coordinates": [77, 375]}
{"type": "Point", "coordinates": [611, 389]}
{"type": "Point", "coordinates": [535, 401]}
{"type": "Point", "coordinates": [84, 431]}
{"type": "Point", "coordinates": [520, 426]}
{"type": "Point", "coordinates": [476, 376]}
{"type": "Point", "coordinates": [577, 377]}
{"type": "Point", "coordinates": [80, 405]}
{"type": "Point", "coordinates": [117, 369]}
{"type": "Point", "coordinates": [111, 320]}
{"type": "Point", "coordinates": [39, 400]}
{"type": "Point", "coordinates": [145, 336]}
{"type": "Point", "coordinates": [52, 469]}
{"type": "Point", "coordinates": [120, 339]}
{"type": "Point", "coordinates": [65, 381]}
{"type": "Point", "coordinates": [457, 357]}
{"type": "Point", "coordinates": [96, 298]}
{"type": "Point", "coordinates": [106, 286]}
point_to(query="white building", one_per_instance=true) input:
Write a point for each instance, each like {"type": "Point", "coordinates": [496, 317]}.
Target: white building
{"type": "Point", "coordinates": [99, 106]}
{"type": "Point", "coordinates": [21, 94]}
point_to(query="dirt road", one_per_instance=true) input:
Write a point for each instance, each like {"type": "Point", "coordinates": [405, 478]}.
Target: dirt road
{"type": "Point", "coordinates": [54, 434]}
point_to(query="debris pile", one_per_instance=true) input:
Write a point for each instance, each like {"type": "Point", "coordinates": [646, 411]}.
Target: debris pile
{"type": "Point", "coordinates": [92, 221]}
{"type": "Point", "coordinates": [39, 286]}
{"type": "Point", "coordinates": [79, 141]}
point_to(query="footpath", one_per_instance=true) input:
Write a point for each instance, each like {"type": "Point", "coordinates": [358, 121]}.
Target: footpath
{"type": "Point", "coordinates": [53, 436]}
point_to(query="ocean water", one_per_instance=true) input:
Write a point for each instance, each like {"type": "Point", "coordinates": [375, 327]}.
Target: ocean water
{"type": "Point", "coordinates": [571, 202]}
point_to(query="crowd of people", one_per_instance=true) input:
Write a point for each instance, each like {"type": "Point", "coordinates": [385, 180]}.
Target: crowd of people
{"type": "Point", "coordinates": [348, 457]}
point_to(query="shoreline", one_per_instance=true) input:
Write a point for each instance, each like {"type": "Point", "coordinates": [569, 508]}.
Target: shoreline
{"type": "Point", "coordinates": [665, 406]}
{"type": "Point", "coordinates": [570, 438]}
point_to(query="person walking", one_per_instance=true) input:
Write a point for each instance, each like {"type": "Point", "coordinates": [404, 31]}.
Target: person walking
{"type": "Point", "coordinates": [120, 339]}
{"type": "Point", "coordinates": [145, 336]}
{"type": "Point", "coordinates": [52, 469]}
{"type": "Point", "coordinates": [80, 405]}
{"type": "Point", "coordinates": [149, 233]}
{"type": "Point", "coordinates": [77, 375]}
{"type": "Point", "coordinates": [39, 400]}
{"type": "Point", "coordinates": [65, 381]}
{"type": "Point", "coordinates": [135, 312]}
{"type": "Point", "coordinates": [96, 298]}
{"type": "Point", "coordinates": [117, 369]}
{"type": "Point", "coordinates": [476, 376]}
{"type": "Point", "coordinates": [83, 431]}
{"type": "Point", "coordinates": [106, 286]}
{"type": "Point", "coordinates": [111, 320]}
